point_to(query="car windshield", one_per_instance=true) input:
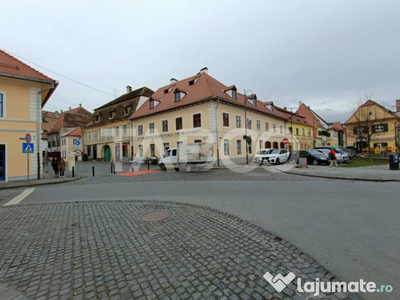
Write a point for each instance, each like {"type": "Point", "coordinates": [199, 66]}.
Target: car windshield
{"type": "Point", "coordinates": [315, 152]}
{"type": "Point", "coordinates": [263, 151]}
{"type": "Point", "coordinates": [275, 151]}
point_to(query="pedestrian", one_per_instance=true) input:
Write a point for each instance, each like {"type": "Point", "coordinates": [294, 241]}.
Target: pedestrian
{"type": "Point", "coordinates": [333, 158]}
{"type": "Point", "coordinates": [54, 164]}
{"type": "Point", "coordinates": [61, 167]}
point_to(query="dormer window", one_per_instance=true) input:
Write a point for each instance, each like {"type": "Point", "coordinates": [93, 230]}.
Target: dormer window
{"type": "Point", "coordinates": [98, 117]}
{"type": "Point", "coordinates": [177, 96]}
{"type": "Point", "coordinates": [234, 95]}
{"type": "Point", "coordinates": [153, 103]}
{"type": "Point", "coordinates": [231, 91]}
{"type": "Point", "coordinates": [127, 109]}
{"type": "Point", "coordinates": [111, 115]}
{"type": "Point", "coordinates": [254, 102]}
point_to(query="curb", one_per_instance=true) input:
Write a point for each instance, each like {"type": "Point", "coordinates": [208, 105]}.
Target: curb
{"type": "Point", "coordinates": [25, 185]}
{"type": "Point", "coordinates": [341, 178]}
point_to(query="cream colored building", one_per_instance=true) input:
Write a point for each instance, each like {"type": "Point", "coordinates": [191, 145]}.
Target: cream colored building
{"type": "Point", "coordinates": [202, 109]}
{"type": "Point", "coordinates": [109, 135]}
{"type": "Point", "coordinates": [23, 93]}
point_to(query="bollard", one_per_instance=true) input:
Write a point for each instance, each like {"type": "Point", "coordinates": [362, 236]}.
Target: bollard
{"type": "Point", "coordinates": [148, 164]}
{"type": "Point", "coordinates": [93, 171]}
{"type": "Point", "coordinates": [111, 168]}
{"type": "Point", "coordinates": [73, 171]}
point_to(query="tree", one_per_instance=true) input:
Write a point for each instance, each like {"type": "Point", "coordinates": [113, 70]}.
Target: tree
{"type": "Point", "coordinates": [367, 120]}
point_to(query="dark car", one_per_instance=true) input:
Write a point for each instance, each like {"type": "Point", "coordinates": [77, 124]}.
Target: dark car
{"type": "Point", "coordinates": [317, 158]}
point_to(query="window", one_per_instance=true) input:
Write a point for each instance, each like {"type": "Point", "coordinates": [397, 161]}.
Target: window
{"type": "Point", "coordinates": [260, 144]}
{"type": "Point", "coordinates": [274, 127]}
{"type": "Point", "coordinates": [226, 147]}
{"type": "Point", "coordinates": [234, 95]}
{"type": "Point", "coordinates": [98, 117]}
{"type": "Point", "coordinates": [290, 130]}
{"type": "Point", "coordinates": [196, 120]}
{"type": "Point", "coordinates": [58, 143]}
{"type": "Point", "coordinates": [102, 133]}
{"type": "Point", "coordinates": [191, 82]}
{"type": "Point", "coordinates": [239, 146]}
{"type": "Point", "coordinates": [380, 128]}
{"type": "Point", "coordinates": [225, 119]}
{"type": "Point", "coordinates": [249, 123]}
{"type": "Point", "coordinates": [53, 143]}
{"type": "Point", "coordinates": [238, 122]}
{"type": "Point", "coordinates": [165, 147]}
{"type": "Point", "coordinates": [177, 96]}
{"type": "Point", "coordinates": [48, 145]}
{"type": "Point", "coordinates": [124, 130]}
{"type": "Point", "coordinates": [1, 106]}
{"type": "Point", "coordinates": [281, 129]}
{"type": "Point", "coordinates": [117, 130]}
{"type": "Point", "coordinates": [111, 114]}
{"type": "Point", "coordinates": [258, 125]}
{"type": "Point", "coordinates": [151, 128]}
{"type": "Point", "coordinates": [152, 150]}
{"type": "Point", "coordinates": [140, 130]}
{"type": "Point", "coordinates": [89, 135]}
{"type": "Point", "coordinates": [164, 126]}
{"type": "Point", "coordinates": [309, 132]}
{"type": "Point", "coordinates": [302, 131]}
{"type": "Point", "coordinates": [127, 109]}
{"type": "Point", "coordinates": [140, 150]}
{"type": "Point", "coordinates": [95, 135]}
{"type": "Point", "coordinates": [152, 104]}
{"type": "Point", "coordinates": [178, 123]}
{"type": "Point", "coordinates": [197, 141]}
{"type": "Point", "coordinates": [297, 131]}
{"type": "Point", "coordinates": [267, 126]}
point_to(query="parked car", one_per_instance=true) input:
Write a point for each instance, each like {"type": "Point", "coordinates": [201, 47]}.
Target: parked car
{"type": "Point", "coordinates": [348, 152]}
{"type": "Point", "coordinates": [261, 155]}
{"type": "Point", "coordinates": [316, 157]}
{"type": "Point", "coordinates": [277, 156]}
{"type": "Point", "coordinates": [341, 156]}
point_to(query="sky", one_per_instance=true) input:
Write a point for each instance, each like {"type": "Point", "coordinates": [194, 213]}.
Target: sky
{"type": "Point", "coordinates": [328, 54]}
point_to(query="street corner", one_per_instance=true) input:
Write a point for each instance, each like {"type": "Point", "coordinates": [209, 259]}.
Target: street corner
{"type": "Point", "coordinates": [149, 249]}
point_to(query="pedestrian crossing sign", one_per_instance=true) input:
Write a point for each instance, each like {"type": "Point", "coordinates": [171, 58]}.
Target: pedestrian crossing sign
{"type": "Point", "coordinates": [27, 148]}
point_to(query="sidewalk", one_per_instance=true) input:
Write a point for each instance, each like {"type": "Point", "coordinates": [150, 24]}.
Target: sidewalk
{"type": "Point", "coordinates": [373, 173]}
{"type": "Point", "coordinates": [35, 182]}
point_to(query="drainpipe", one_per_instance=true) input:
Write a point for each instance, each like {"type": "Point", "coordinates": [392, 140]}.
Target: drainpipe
{"type": "Point", "coordinates": [38, 120]}
{"type": "Point", "coordinates": [216, 124]}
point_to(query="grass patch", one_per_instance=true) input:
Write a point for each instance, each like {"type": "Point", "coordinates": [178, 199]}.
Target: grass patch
{"type": "Point", "coordinates": [363, 162]}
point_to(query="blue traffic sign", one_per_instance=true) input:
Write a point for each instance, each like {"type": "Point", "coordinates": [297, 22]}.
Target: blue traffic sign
{"type": "Point", "coordinates": [77, 143]}
{"type": "Point", "coordinates": [27, 148]}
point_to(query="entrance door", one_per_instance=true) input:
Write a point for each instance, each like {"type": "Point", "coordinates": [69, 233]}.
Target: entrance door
{"type": "Point", "coordinates": [2, 163]}
{"type": "Point", "coordinates": [107, 154]}
{"type": "Point", "coordinates": [94, 152]}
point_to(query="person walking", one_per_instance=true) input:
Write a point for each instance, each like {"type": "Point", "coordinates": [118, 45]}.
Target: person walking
{"type": "Point", "coordinates": [61, 167]}
{"type": "Point", "coordinates": [54, 164]}
{"type": "Point", "coordinates": [333, 158]}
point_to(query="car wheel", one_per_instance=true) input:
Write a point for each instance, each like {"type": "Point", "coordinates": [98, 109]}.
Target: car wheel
{"type": "Point", "coordinates": [277, 161]}
{"type": "Point", "coordinates": [188, 168]}
{"type": "Point", "coordinates": [162, 166]}
{"type": "Point", "coordinates": [315, 162]}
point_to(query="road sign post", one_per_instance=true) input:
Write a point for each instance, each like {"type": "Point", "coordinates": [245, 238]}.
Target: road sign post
{"type": "Point", "coordinates": [27, 148]}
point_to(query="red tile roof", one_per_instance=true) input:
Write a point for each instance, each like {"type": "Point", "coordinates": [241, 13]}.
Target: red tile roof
{"type": "Point", "coordinates": [12, 66]}
{"type": "Point", "coordinates": [75, 132]}
{"type": "Point", "coordinates": [205, 88]}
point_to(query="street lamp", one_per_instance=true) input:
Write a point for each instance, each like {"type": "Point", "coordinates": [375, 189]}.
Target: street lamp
{"type": "Point", "coordinates": [248, 139]}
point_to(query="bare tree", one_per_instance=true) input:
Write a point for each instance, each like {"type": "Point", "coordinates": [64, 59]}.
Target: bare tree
{"type": "Point", "coordinates": [367, 120]}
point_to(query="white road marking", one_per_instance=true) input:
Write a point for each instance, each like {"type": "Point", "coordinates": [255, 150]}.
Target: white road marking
{"type": "Point", "coordinates": [20, 197]}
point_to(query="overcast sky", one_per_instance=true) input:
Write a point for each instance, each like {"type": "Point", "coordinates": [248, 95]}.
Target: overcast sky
{"type": "Point", "coordinates": [328, 54]}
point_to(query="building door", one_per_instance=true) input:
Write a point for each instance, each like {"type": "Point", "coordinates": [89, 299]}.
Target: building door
{"type": "Point", "coordinates": [94, 152]}
{"type": "Point", "coordinates": [2, 163]}
{"type": "Point", "coordinates": [107, 154]}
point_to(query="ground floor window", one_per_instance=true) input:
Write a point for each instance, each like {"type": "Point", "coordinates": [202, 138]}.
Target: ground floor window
{"type": "Point", "coordinates": [140, 150]}
{"type": "Point", "coordinates": [226, 147]}
{"type": "Point", "coordinates": [165, 147]}
{"type": "Point", "coordinates": [152, 150]}
{"type": "Point", "coordinates": [239, 146]}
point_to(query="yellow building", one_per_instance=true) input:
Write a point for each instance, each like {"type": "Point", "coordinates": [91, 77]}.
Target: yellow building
{"type": "Point", "coordinates": [108, 137]}
{"type": "Point", "coordinates": [373, 126]}
{"type": "Point", "coordinates": [200, 109]}
{"type": "Point", "coordinates": [23, 93]}
{"type": "Point", "coordinates": [298, 131]}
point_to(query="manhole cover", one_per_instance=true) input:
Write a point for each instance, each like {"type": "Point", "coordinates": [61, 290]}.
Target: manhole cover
{"type": "Point", "coordinates": [155, 216]}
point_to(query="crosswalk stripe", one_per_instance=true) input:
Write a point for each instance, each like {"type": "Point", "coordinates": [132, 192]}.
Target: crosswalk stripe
{"type": "Point", "coordinates": [20, 197]}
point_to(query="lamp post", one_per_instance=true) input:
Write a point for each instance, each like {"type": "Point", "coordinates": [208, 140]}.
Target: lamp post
{"type": "Point", "coordinates": [245, 123]}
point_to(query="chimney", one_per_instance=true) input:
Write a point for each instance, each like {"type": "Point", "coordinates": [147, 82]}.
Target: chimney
{"type": "Point", "coordinates": [80, 104]}
{"type": "Point", "coordinates": [61, 111]}
{"type": "Point", "coordinates": [285, 108]}
{"type": "Point", "coordinates": [56, 114]}
{"type": "Point", "coordinates": [204, 70]}
{"type": "Point", "coordinates": [70, 108]}
{"type": "Point", "coordinates": [173, 80]}
{"type": "Point", "coordinates": [299, 103]}
{"type": "Point", "coordinates": [128, 89]}
{"type": "Point", "coordinates": [397, 105]}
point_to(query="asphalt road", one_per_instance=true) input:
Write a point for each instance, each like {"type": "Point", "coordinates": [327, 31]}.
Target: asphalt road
{"type": "Point", "coordinates": [351, 228]}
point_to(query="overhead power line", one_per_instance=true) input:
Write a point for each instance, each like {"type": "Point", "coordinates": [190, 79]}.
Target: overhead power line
{"type": "Point", "coordinates": [58, 74]}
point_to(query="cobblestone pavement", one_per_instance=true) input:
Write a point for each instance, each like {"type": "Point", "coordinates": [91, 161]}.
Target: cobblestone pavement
{"type": "Point", "coordinates": [104, 250]}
